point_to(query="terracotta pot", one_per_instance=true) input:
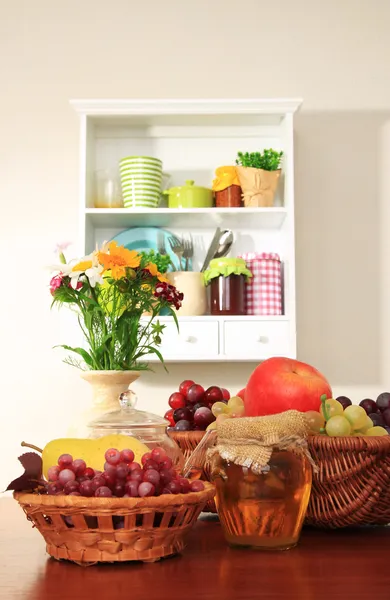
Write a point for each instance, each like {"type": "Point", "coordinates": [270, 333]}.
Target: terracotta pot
{"type": "Point", "coordinates": [258, 186]}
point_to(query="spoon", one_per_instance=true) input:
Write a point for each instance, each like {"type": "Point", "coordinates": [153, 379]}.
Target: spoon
{"type": "Point", "coordinates": [225, 243]}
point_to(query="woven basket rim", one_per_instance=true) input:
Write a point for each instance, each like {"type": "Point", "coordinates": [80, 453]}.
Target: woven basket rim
{"type": "Point", "coordinates": [182, 435]}
{"type": "Point", "coordinates": [155, 502]}
{"type": "Point", "coordinates": [357, 443]}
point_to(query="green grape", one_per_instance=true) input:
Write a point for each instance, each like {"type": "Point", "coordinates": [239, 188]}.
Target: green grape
{"type": "Point", "coordinates": [356, 415]}
{"type": "Point", "coordinates": [212, 426]}
{"type": "Point", "coordinates": [333, 408]}
{"type": "Point", "coordinates": [367, 425]}
{"type": "Point", "coordinates": [338, 426]}
{"type": "Point", "coordinates": [218, 408]}
{"type": "Point", "coordinates": [376, 431]}
{"type": "Point", "coordinates": [223, 417]}
{"type": "Point", "coordinates": [236, 406]}
{"type": "Point", "coordinates": [315, 421]}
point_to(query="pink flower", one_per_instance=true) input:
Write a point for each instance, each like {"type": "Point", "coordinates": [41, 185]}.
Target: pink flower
{"type": "Point", "coordinates": [55, 283]}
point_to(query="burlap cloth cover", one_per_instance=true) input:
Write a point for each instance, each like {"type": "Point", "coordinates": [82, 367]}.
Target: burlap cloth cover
{"type": "Point", "coordinates": [250, 441]}
{"type": "Point", "coordinates": [258, 186]}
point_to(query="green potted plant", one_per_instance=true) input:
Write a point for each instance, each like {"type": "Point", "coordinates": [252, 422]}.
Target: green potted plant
{"type": "Point", "coordinates": [258, 173]}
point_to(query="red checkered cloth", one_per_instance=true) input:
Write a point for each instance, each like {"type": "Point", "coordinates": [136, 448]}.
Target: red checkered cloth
{"type": "Point", "coordinates": [263, 292]}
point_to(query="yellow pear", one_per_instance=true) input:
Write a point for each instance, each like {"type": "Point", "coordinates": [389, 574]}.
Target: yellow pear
{"type": "Point", "coordinates": [90, 450]}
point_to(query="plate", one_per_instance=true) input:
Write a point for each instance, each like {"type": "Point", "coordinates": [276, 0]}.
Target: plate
{"type": "Point", "coordinates": [144, 239]}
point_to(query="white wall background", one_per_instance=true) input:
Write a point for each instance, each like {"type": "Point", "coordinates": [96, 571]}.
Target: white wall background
{"type": "Point", "coordinates": [335, 55]}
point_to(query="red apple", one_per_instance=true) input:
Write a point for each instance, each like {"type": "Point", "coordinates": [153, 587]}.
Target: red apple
{"type": "Point", "coordinates": [185, 386]}
{"type": "Point", "coordinates": [213, 394]}
{"type": "Point", "coordinates": [241, 394]}
{"type": "Point", "coordinates": [195, 394]}
{"type": "Point", "coordinates": [225, 394]}
{"type": "Point", "coordinates": [176, 400]}
{"type": "Point", "coordinates": [280, 384]}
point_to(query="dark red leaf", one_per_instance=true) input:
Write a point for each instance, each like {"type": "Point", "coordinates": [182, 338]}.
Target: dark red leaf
{"type": "Point", "coordinates": [32, 476]}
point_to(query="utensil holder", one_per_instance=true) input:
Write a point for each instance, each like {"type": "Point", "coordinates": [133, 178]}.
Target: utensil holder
{"type": "Point", "coordinates": [191, 284]}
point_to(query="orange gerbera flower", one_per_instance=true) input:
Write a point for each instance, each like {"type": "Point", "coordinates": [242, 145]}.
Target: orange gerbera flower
{"type": "Point", "coordinates": [118, 259]}
{"type": "Point", "coordinates": [152, 268]}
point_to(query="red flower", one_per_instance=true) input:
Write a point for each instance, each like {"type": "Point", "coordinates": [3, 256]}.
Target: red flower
{"type": "Point", "coordinates": [168, 292]}
{"type": "Point", "coordinates": [58, 280]}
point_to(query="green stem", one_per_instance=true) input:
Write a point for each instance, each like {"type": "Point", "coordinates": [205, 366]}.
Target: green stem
{"type": "Point", "coordinates": [324, 407]}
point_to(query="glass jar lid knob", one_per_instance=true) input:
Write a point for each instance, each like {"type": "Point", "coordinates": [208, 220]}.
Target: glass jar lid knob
{"type": "Point", "coordinates": [128, 400]}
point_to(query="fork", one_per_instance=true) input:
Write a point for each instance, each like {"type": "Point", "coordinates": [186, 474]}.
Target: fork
{"type": "Point", "coordinates": [161, 247]}
{"type": "Point", "coordinates": [188, 251]}
{"type": "Point", "coordinates": [177, 248]}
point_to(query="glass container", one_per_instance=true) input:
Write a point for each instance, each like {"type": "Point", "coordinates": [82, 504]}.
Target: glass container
{"type": "Point", "coordinates": [144, 426]}
{"type": "Point", "coordinates": [227, 278]}
{"type": "Point", "coordinates": [108, 193]}
{"type": "Point", "coordinates": [264, 510]}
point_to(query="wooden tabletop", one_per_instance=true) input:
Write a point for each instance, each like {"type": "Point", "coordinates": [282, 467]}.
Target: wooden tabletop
{"type": "Point", "coordinates": [330, 565]}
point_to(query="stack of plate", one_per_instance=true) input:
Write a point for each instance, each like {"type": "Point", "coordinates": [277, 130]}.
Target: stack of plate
{"type": "Point", "coordinates": [141, 178]}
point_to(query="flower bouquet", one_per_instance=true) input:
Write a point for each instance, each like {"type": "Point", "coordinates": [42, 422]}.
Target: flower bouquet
{"type": "Point", "coordinates": [110, 291]}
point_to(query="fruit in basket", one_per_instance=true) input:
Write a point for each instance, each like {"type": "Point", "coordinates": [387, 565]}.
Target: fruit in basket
{"type": "Point", "coordinates": [332, 408]}
{"type": "Point", "coordinates": [182, 413]}
{"type": "Point", "coordinates": [356, 415]}
{"type": "Point", "coordinates": [383, 401]}
{"type": "Point", "coordinates": [177, 400]}
{"type": "Point", "coordinates": [225, 394]}
{"type": "Point", "coordinates": [338, 426]}
{"type": "Point", "coordinates": [315, 421]}
{"type": "Point", "coordinates": [203, 417]}
{"type": "Point", "coordinates": [195, 394]}
{"type": "Point", "coordinates": [370, 406]}
{"type": "Point", "coordinates": [344, 401]}
{"type": "Point", "coordinates": [376, 431]}
{"type": "Point", "coordinates": [185, 386]}
{"type": "Point", "coordinates": [279, 384]}
{"type": "Point", "coordinates": [213, 394]}
{"type": "Point", "coordinates": [89, 450]}
{"type": "Point", "coordinates": [377, 419]}
{"type": "Point", "coordinates": [192, 396]}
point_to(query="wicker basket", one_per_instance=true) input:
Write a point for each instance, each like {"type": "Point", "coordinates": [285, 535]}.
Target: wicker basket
{"type": "Point", "coordinates": [92, 530]}
{"type": "Point", "coordinates": [188, 441]}
{"type": "Point", "coordinates": [353, 484]}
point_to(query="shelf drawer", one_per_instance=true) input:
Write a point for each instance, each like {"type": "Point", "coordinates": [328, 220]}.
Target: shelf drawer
{"type": "Point", "coordinates": [256, 339]}
{"type": "Point", "coordinates": [194, 339]}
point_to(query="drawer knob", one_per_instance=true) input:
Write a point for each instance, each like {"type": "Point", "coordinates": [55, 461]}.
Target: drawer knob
{"type": "Point", "coordinates": [262, 339]}
{"type": "Point", "coordinates": [190, 339]}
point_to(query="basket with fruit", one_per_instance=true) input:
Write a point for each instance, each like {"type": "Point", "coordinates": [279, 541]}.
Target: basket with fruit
{"type": "Point", "coordinates": [193, 411]}
{"type": "Point", "coordinates": [351, 447]}
{"type": "Point", "coordinates": [129, 511]}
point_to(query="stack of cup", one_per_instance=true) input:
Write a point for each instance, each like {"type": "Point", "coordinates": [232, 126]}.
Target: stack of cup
{"type": "Point", "coordinates": [141, 178]}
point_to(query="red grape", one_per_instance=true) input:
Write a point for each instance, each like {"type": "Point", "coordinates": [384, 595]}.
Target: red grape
{"type": "Point", "coordinates": [194, 407]}
{"type": "Point", "coordinates": [71, 486]}
{"type": "Point", "coordinates": [79, 466]}
{"type": "Point", "coordinates": [118, 489]}
{"type": "Point", "coordinates": [98, 482]}
{"type": "Point", "coordinates": [146, 489]}
{"type": "Point", "coordinates": [152, 476]}
{"type": "Point", "coordinates": [65, 461]}
{"type": "Point", "coordinates": [184, 485]}
{"type": "Point", "coordinates": [110, 469]}
{"type": "Point", "coordinates": [89, 472]}
{"type": "Point", "coordinates": [54, 488]}
{"type": "Point", "coordinates": [377, 419]}
{"type": "Point", "coordinates": [146, 456]}
{"type": "Point", "coordinates": [136, 475]}
{"type": "Point", "coordinates": [52, 473]}
{"type": "Point", "coordinates": [166, 463]}
{"type": "Point", "coordinates": [110, 480]}
{"type": "Point", "coordinates": [182, 425]}
{"type": "Point", "coordinates": [203, 417]}
{"type": "Point", "coordinates": [66, 475]}
{"type": "Point", "coordinates": [369, 406]}
{"type": "Point", "coordinates": [86, 488]}
{"type": "Point", "coordinates": [127, 456]}
{"type": "Point", "coordinates": [185, 386]}
{"type": "Point", "coordinates": [134, 466]}
{"type": "Point", "coordinates": [182, 413]}
{"type": "Point", "coordinates": [386, 416]}
{"type": "Point", "coordinates": [174, 487]}
{"type": "Point", "coordinates": [112, 456]}
{"type": "Point", "coordinates": [150, 464]}
{"type": "Point", "coordinates": [213, 394]}
{"type": "Point", "coordinates": [195, 394]}
{"type": "Point", "coordinates": [176, 400]}
{"type": "Point", "coordinates": [169, 417]}
{"type": "Point", "coordinates": [197, 486]}
{"type": "Point", "coordinates": [344, 401]}
{"type": "Point", "coordinates": [103, 492]}
{"type": "Point", "coordinates": [383, 401]}
{"type": "Point", "coordinates": [166, 475]}
{"type": "Point", "coordinates": [131, 488]}
{"type": "Point", "coordinates": [159, 455]}
{"type": "Point", "coordinates": [225, 394]}
{"type": "Point", "coordinates": [166, 491]}
{"type": "Point", "coordinates": [122, 471]}
{"type": "Point", "coordinates": [82, 478]}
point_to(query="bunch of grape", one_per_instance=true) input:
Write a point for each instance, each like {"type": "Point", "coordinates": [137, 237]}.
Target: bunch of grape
{"type": "Point", "coordinates": [378, 411]}
{"type": "Point", "coordinates": [122, 476]}
{"type": "Point", "coordinates": [338, 418]}
{"type": "Point", "coordinates": [191, 406]}
{"type": "Point", "coordinates": [222, 410]}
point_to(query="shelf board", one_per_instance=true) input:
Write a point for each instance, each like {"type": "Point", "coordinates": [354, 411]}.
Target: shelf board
{"type": "Point", "coordinates": [226, 318]}
{"type": "Point", "coordinates": [258, 218]}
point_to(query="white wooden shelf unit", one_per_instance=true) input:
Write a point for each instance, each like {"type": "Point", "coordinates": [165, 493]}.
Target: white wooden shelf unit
{"type": "Point", "coordinates": [192, 138]}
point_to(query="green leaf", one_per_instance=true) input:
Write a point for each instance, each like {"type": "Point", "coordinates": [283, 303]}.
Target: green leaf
{"type": "Point", "coordinates": [80, 351]}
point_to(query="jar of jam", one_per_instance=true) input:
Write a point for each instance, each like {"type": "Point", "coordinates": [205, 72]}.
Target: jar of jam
{"type": "Point", "coordinates": [262, 473]}
{"type": "Point", "coordinates": [226, 186]}
{"type": "Point", "coordinates": [226, 278]}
